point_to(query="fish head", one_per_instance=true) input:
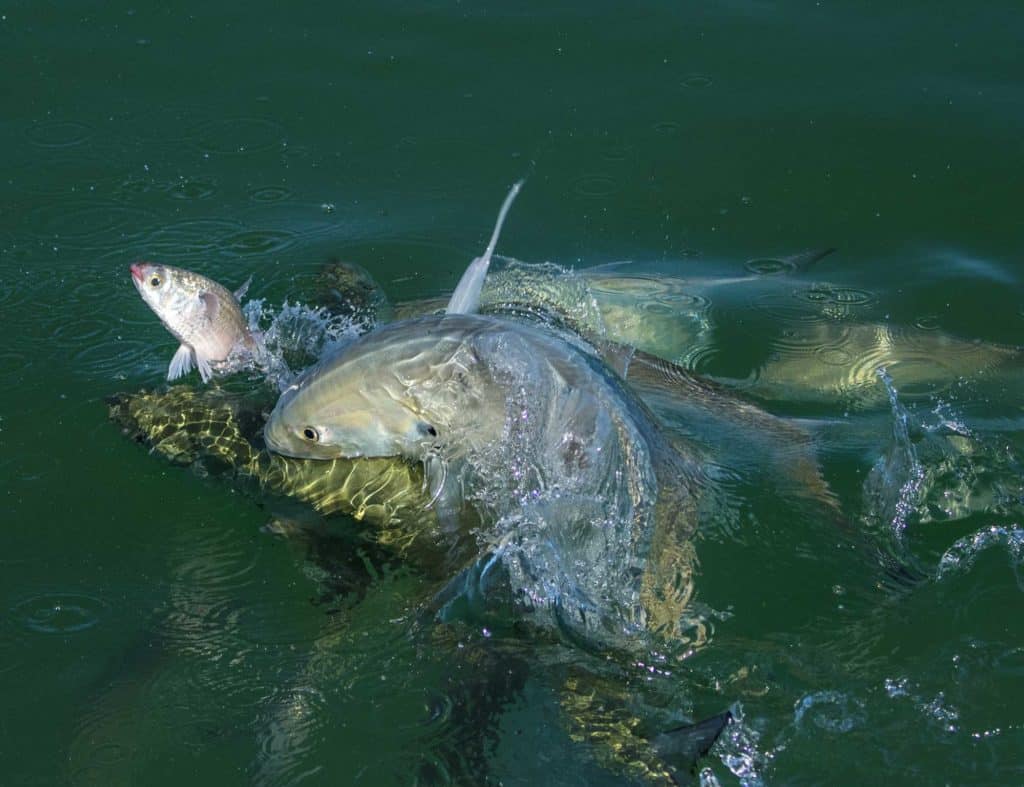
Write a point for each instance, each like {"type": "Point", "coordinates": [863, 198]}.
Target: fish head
{"type": "Point", "coordinates": [155, 283]}
{"type": "Point", "coordinates": [347, 410]}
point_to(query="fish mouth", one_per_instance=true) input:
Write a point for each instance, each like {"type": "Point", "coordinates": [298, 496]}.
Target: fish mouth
{"type": "Point", "coordinates": [137, 273]}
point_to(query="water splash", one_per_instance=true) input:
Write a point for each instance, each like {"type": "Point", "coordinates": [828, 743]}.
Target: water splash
{"type": "Point", "coordinates": [739, 750]}
{"type": "Point", "coordinates": [963, 554]}
{"type": "Point", "coordinates": [295, 336]}
{"type": "Point", "coordinates": [894, 486]}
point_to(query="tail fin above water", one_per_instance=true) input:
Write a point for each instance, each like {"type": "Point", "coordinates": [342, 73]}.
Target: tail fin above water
{"type": "Point", "coordinates": [682, 747]}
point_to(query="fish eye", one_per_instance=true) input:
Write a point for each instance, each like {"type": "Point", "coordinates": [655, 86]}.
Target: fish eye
{"type": "Point", "coordinates": [155, 281]}
{"type": "Point", "coordinates": [311, 434]}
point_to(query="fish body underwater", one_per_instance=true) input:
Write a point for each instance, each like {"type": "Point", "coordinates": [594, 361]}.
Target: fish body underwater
{"type": "Point", "coordinates": [203, 315]}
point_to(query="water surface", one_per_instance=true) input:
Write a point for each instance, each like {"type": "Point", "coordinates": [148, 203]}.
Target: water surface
{"type": "Point", "coordinates": [154, 629]}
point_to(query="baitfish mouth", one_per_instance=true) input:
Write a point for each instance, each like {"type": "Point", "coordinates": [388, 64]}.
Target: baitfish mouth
{"type": "Point", "coordinates": [137, 273]}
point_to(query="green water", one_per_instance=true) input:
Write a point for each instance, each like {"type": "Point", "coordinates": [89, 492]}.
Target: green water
{"type": "Point", "coordinates": [152, 629]}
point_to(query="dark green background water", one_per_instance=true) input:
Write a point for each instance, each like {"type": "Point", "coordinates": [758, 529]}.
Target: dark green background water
{"type": "Point", "coordinates": [251, 139]}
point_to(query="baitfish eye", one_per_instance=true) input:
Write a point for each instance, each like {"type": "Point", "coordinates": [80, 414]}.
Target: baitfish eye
{"type": "Point", "coordinates": [311, 434]}
{"type": "Point", "coordinates": [155, 281]}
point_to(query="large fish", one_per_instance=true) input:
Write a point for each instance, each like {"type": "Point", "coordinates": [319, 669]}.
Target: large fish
{"type": "Point", "coordinates": [528, 425]}
{"type": "Point", "coordinates": [202, 314]}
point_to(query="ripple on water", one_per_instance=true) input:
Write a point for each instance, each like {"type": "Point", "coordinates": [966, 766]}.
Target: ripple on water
{"type": "Point", "coordinates": [59, 133]}
{"type": "Point", "coordinates": [190, 237]}
{"type": "Point", "coordinates": [595, 186]}
{"type": "Point", "coordinates": [240, 136]}
{"type": "Point", "coordinates": [786, 308]}
{"type": "Point", "coordinates": [832, 711]}
{"type": "Point", "coordinates": [827, 342]}
{"type": "Point", "coordinates": [114, 357]}
{"type": "Point", "coordinates": [89, 225]}
{"type": "Point", "coordinates": [257, 242]}
{"type": "Point", "coordinates": [700, 358]}
{"type": "Point", "coordinates": [166, 124]}
{"type": "Point", "coordinates": [63, 172]}
{"type": "Point", "coordinates": [60, 612]}
{"type": "Point", "coordinates": [290, 728]}
{"type": "Point", "coordinates": [193, 188]}
{"type": "Point", "coordinates": [272, 620]}
{"type": "Point", "coordinates": [12, 647]}
{"type": "Point", "coordinates": [414, 254]}
{"type": "Point", "coordinates": [666, 128]}
{"type": "Point", "coordinates": [696, 82]}
{"type": "Point", "coordinates": [270, 194]}
{"type": "Point", "coordinates": [769, 266]}
{"type": "Point", "coordinates": [842, 296]}
{"type": "Point", "coordinates": [616, 152]}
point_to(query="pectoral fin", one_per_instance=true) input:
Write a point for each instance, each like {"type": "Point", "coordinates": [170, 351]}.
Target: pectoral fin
{"type": "Point", "coordinates": [181, 363]}
{"type": "Point", "coordinates": [210, 304]}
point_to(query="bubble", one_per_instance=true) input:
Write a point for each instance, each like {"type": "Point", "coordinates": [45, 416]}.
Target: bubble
{"type": "Point", "coordinates": [60, 613]}
{"type": "Point", "coordinates": [59, 133]}
{"type": "Point", "coordinates": [240, 136]}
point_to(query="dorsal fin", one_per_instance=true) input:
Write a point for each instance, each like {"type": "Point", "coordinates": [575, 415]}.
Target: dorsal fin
{"type": "Point", "coordinates": [466, 298]}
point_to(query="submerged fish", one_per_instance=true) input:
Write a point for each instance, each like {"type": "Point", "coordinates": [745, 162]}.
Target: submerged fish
{"type": "Point", "coordinates": [202, 314]}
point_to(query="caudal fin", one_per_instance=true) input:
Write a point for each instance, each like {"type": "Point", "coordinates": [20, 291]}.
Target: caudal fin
{"type": "Point", "coordinates": [682, 747]}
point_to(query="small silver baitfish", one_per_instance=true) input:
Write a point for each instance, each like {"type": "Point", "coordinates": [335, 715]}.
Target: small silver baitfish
{"type": "Point", "coordinates": [203, 315]}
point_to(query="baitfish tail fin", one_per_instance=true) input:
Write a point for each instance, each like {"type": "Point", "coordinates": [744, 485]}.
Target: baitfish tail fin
{"type": "Point", "coordinates": [682, 747]}
{"type": "Point", "coordinates": [466, 298]}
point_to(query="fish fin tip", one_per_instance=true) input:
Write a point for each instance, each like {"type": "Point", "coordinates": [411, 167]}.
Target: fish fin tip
{"type": "Point", "coordinates": [805, 259]}
{"type": "Point", "coordinates": [682, 747]}
{"type": "Point", "coordinates": [241, 291]}
{"type": "Point", "coordinates": [205, 370]}
{"type": "Point", "coordinates": [181, 363]}
{"type": "Point", "coordinates": [466, 298]}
